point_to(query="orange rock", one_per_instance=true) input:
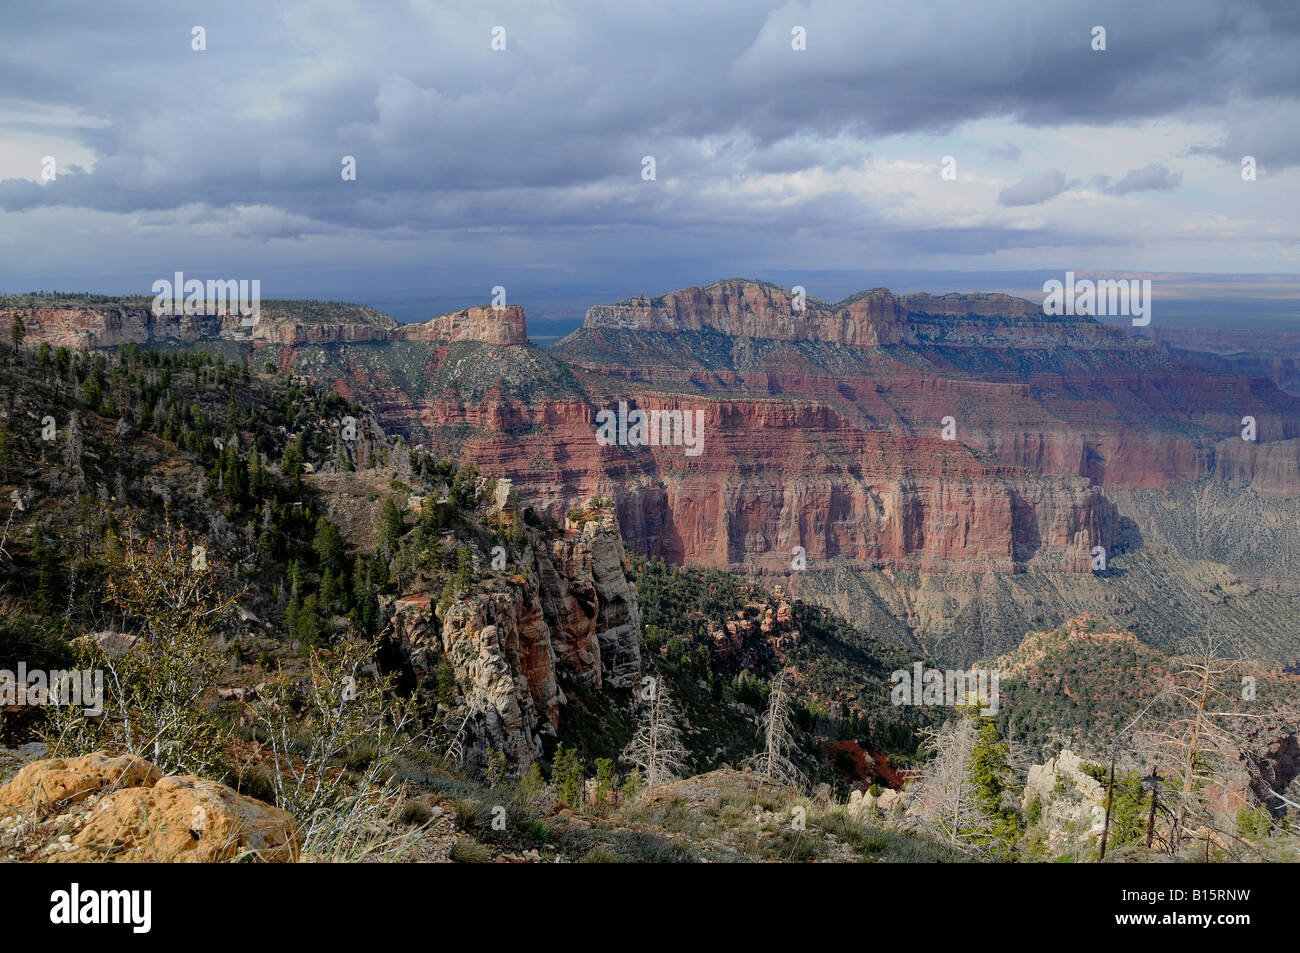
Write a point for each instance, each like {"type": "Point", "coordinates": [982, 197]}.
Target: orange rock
{"type": "Point", "coordinates": [55, 781]}
{"type": "Point", "coordinates": [185, 819]}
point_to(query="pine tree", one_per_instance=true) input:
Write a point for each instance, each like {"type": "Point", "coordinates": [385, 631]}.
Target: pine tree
{"type": "Point", "coordinates": [568, 777]}
{"type": "Point", "coordinates": [390, 522]}
{"type": "Point", "coordinates": [606, 780]}
{"type": "Point", "coordinates": [49, 573]}
{"type": "Point", "coordinates": [291, 465]}
{"type": "Point", "coordinates": [367, 603]}
{"type": "Point", "coordinates": [464, 569]}
{"type": "Point", "coordinates": [991, 778]}
{"type": "Point", "coordinates": [328, 545]}
{"type": "Point", "coordinates": [258, 483]}
{"type": "Point", "coordinates": [631, 786]}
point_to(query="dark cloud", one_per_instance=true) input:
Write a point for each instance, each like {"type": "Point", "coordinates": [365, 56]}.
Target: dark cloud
{"type": "Point", "coordinates": [541, 145]}
{"type": "Point", "coordinates": [1154, 177]}
{"type": "Point", "coordinates": [1266, 130]}
{"type": "Point", "coordinates": [1034, 189]}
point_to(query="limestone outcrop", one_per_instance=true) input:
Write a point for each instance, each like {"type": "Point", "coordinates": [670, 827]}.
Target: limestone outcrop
{"type": "Point", "coordinates": [1071, 804]}
{"type": "Point", "coordinates": [121, 809]}
{"type": "Point", "coordinates": [564, 612]}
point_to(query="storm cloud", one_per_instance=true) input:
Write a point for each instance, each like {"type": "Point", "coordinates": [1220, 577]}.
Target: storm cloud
{"type": "Point", "coordinates": [533, 156]}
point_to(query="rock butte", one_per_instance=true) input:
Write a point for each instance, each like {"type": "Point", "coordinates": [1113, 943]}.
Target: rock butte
{"type": "Point", "coordinates": [822, 425]}
{"type": "Point", "coordinates": [113, 325]}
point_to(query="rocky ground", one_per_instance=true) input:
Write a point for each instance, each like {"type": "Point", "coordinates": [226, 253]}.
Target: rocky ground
{"type": "Point", "coordinates": [121, 809]}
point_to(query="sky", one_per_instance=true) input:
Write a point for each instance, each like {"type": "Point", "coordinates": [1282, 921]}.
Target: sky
{"type": "Point", "coordinates": [524, 166]}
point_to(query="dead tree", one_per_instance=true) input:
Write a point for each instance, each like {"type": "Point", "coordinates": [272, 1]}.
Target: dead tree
{"type": "Point", "coordinates": [656, 748]}
{"type": "Point", "coordinates": [774, 762]}
{"type": "Point", "coordinates": [1204, 743]}
{"type": "Point", "coordinates": [944, 789]}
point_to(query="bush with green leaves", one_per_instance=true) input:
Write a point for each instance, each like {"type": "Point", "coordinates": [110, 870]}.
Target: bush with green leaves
{"type": "Point", "coordinates": [170, 593]}
{"type": "Point", "coordinates": [568, 777]}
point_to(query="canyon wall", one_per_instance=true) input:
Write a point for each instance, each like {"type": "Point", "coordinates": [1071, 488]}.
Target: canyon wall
{"type": "Point", "coordinates": [824, 428]}
{"type": "Point", "coordinates": [114, 325]}
{"type": "Point", "coordinates": [568, 615]}
{"type": "Point", "coordinates": [500, 326]}
{"type": "Point", "coordinates": [868, 319]}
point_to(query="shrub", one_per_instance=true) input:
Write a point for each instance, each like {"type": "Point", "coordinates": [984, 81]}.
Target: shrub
{"type": "Point", "coordinates": [1254, 823]}
{"type": "Point", "coordinates": [536, 829]}
{"type": "Point", "coordinates": [531, 789]}
{"type": "Point", "coordinates": [257, 783]}
{"type": "Point", "coordinates": [1035, 811]}
{"type": "Point", "coordinates": [469, 851]}
{"type": "Point", "coordinates": [568, 777]}
{"type": "Point", "coordinates": [497, 770]}
{"type": "Point", "coordinates": [170, 589]}
{"type": "Point", "coordinates": [416, 813]}
{"type": "Point", "coordinates": [472, 815]}
{"type": "Point", "coordinates": [345, 719]}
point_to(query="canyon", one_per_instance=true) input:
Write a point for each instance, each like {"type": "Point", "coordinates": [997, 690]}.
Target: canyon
{"type": "Point", "coordinates": [945, 469]}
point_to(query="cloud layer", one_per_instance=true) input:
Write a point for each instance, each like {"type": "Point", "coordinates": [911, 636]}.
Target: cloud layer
{"type": "Point", "coordinates": [531, 157]}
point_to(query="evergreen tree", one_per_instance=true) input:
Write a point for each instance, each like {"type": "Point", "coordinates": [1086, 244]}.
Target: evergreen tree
{"type": "Point", "coordinates": [258, 482]}
{"type": "Point", "coordinates": [390, 522]}
{"type": "Point", "coordinates": [48, 572]}
{"type": "Point", "coordinates": [464, 569]}
{"type": "Point", "coordinates": [291, 465]}
{"type": "Point", "coordinates": [328, 545]}
{"type": "Point", "coordinates": [991, 777]}
{"type": "Point", "coordinates": [568, 777]}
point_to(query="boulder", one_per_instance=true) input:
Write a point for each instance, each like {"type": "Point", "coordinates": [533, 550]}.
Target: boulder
{"type": "Point", "coordinates": [861, 803]}
{"type": "Point", "coordinates": [1073, 803]}
{"type": "Point", "coordinates": [185, 819]}
{"type": "Point", "coordinates": [113, 644]}
{"type": "Point", "coordinates": [55, 781]}
{"type": "Point", "coordinates": [121, 809]}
